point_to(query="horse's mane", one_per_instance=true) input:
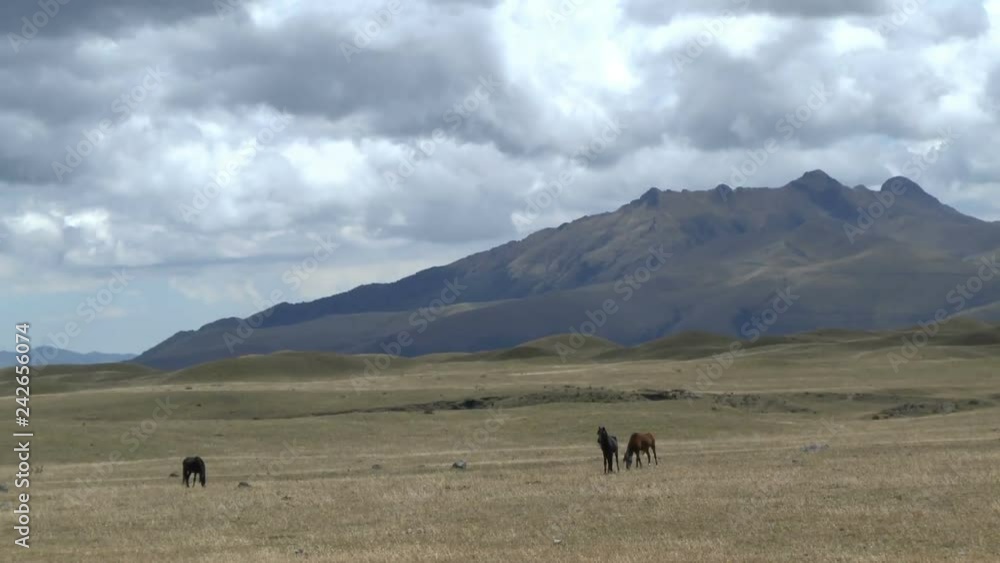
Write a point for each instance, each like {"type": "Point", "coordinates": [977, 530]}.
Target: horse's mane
{"type": "Point", "coordinates": [607, 441]}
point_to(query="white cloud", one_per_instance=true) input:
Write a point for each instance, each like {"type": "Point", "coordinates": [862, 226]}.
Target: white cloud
{"type": "Point", "coordinates": [352, 121]}
{"type": "Point", "coordinates": [846, 37]}
{"type": "Point", "coordinates": [209, 291]}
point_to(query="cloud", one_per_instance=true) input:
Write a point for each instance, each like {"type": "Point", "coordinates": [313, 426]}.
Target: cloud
{"type": "Point", "coordinates": [650, 11]}
{"type": "Point", "coordinates": [397, 144]}
{"type": "Point", "coordinates": [106, 18]}
{"type": "Point", "coordinates": [209, 291]}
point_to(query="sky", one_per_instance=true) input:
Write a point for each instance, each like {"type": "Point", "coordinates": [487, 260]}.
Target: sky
{"type": "Point", "coordinates": [165, 164]}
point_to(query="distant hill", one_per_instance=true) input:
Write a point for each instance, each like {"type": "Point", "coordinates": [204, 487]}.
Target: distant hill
{"type": "Point", "coordinates": [852, 258]}
{"type": "Point", "coordinates": [44, 355]}
{"type": "Point", "coordinates": [968, 334]}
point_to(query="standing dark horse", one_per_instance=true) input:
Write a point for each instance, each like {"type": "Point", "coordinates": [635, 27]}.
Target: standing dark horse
{"type": "Point", "coordinates": [194, 465]}
{"type": "Point", "coordinates": [609, 447]}
{"type": "Point", "coordinates": [640, 443]}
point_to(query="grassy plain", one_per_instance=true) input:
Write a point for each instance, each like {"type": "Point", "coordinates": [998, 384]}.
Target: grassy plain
{"type": "Point", "coordinates": [348, 469]}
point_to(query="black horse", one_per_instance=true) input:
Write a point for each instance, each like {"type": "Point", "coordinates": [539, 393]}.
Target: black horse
{"type": "Point", "coordinates": [194, 465]}
{"type": "Point", "coordinates": [609, 447]}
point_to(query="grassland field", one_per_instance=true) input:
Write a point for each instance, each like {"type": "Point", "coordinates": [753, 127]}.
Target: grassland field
{"type": "Point", "coordinates": [906, 465]}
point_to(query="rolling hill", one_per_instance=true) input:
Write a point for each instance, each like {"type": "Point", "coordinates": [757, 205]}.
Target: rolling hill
{"type": "Point", "coordinates": [811, 254]}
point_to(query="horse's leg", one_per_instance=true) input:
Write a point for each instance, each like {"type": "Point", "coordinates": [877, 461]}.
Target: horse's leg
{"type": "Point", "coordinates": [653, 447]}
{"type": "Point", "coordinates": [618, 464]}
{"type": "Point", "coordinates": [186, 475]}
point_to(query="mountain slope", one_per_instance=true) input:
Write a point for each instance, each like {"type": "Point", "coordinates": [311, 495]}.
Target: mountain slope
{"type": "Point", "coordinates": [853, 257]}
{"type": "Point", "coordinates": [48, 355]}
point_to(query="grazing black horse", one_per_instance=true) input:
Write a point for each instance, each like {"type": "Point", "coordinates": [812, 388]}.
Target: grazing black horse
{"type": "Point", "coordinates": [609, 447]}
{"type": "Point", "coordinates": [194, 465]}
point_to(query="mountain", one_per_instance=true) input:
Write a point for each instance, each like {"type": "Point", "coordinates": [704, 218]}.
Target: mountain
{"type": "Point", "coordinates": [43, 355]}
{"type": "Point", "coordinates": [851, 258]}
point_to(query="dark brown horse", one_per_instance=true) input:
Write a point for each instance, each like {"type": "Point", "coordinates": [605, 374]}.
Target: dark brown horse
{"type": "Point", "coordinates": [640, 443]}
{"type": "Point", "coordinates": [194, 466]}
{"type": "Point", "coordinates": [609, 449]}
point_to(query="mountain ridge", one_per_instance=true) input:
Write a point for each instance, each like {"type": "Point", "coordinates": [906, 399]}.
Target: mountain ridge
{"type": "Point", "coordinates": [885, 258]}
{"type": "Point", "coordinates": [44, 355]}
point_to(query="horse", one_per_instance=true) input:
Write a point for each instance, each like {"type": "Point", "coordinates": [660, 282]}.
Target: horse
{"type": "Point", "coordinates": [194, 465]}
{"type": "Point", "coordinates": [640, 443]}
{"type": "Point", "coordinates": [609, 447]}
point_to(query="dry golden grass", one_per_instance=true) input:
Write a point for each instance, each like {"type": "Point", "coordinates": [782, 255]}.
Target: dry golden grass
{"type": "Point", "coordinates": [732, 484]}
